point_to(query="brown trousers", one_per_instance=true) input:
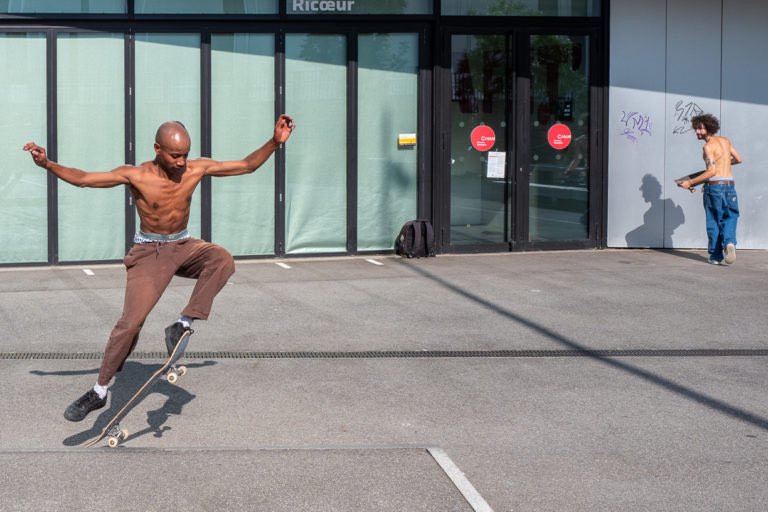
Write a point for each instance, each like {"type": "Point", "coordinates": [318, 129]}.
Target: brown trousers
{"type": "Point", "coordinates": [150, 268]}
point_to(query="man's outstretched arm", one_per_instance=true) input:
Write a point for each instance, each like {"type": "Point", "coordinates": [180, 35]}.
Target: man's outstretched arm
{"type": "Point", "coordinates": [250, 163]}
{"type": "Point", "coordinates": [77, 177]}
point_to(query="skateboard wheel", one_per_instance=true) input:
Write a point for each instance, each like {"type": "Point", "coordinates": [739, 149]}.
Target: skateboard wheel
{"type": "Point", "coordinates": [181, 370]}
{"type": "Point", "coordinates": [173, 377]}
{"type": "Point", "coordinates": [114, 440]}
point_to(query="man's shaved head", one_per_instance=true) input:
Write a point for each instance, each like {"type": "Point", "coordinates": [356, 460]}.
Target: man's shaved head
{"type": "Point", "coordinates": [172, 132]}
{"type": "Point", "coordinates": [172, 145]}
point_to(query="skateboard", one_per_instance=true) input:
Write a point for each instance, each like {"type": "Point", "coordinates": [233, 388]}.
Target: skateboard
{"type": "Point", "coordinates": [690, 177]}
{"type": "Point", "coordinates": [113, 432]}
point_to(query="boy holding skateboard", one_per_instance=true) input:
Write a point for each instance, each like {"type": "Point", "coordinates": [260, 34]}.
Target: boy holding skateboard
{"type": "Point", "coordinates": [162, 191]}
{"type": "Point", "coordinates": [721, 204]}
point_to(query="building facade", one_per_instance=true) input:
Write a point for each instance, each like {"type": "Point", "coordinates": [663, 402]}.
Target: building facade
{"type": "Point", "coordinates": [671, 60]}
{"type": "Point", "coordinates": [511, 124]}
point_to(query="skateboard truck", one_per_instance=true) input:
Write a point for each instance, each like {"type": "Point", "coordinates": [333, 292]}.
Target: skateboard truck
{"type": "Point", "coordinates": [115, 435]}
{"type": "Point", "coordinates": [174, 373]}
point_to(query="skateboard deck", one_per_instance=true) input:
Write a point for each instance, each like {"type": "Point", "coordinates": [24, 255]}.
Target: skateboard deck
{"type": "Point", "coordinates": [690, 177]}
{"type": "Point", "coordinates": [171, 373]}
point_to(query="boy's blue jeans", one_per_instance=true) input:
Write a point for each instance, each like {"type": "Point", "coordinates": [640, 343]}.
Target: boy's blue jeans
{"type": "Point", "coordinates": [721, 206]}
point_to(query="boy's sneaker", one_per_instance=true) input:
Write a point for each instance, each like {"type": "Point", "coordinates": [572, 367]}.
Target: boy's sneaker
{"type": "Point", "coordinates": [730, 253]}
{"type": "Point", "coordinates": [715, 262]}
{"type": "Point", "coordinates": [80, 408]}
{"type": "Point", "coordinates": [173, 334]}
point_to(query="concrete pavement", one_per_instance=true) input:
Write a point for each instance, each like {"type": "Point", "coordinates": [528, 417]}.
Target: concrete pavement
{"type": "Point", "coordinates": [577, 380]}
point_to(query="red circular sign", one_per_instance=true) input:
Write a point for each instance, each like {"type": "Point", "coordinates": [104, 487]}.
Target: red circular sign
{"type": "Point", "coordinates": [483, 138]}
{"type": "Point", "coordinates": [559, 136]}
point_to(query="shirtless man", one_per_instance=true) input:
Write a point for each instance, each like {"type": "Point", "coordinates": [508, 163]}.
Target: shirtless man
{"type": "Point", "coordinates": [720, 202]}
{"type": "Point", "coordinates": [162, 191]}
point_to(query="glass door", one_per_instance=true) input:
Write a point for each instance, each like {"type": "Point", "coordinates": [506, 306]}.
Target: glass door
{"type": "Point", "coordinates": [558, 157]}
{"type": "Point", "coordinates": [478, 119]}
{"type": "Point", "coordinates": [519, 112]}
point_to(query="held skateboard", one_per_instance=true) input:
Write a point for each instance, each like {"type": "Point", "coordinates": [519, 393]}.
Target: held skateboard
{"type": "Point", "coordinates": [689, 177]}
{"type": "Point", "coordinates": [170, 370]}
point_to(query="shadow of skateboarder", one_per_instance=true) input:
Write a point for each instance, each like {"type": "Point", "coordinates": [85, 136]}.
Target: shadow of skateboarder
{"type": "Point", "coordinates": [133, 376]}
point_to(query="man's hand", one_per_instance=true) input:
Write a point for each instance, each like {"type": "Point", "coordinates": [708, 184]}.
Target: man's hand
{"type": "Point", "coordinates": [38, 154]}
{"type": "Point", "coordinates": [686, 184]}
{"type": "Point", "coordinates": [283, 129]}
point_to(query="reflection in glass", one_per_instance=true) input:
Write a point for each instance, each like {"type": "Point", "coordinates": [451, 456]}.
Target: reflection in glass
{"type": "Point", "coordinates": [206, 6]}
{"type": "Point", "coordinates": [387, 102]}
{"type": "Point", "coordinates": [63, 6]}
{"type": "Point", "coordinates": [478, 97]}
{"type": "Point", "coordinates": [520, 7]}
{"type": "Point", "coordinates": [559, 178]}
{"type": "Point", "coordinates": [90, 92]}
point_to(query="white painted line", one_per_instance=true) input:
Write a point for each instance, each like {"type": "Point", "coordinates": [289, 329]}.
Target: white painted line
{"type": "Point", "coordinates": [375, 262]}
{"type": "Point", "coordinates": [283, 265]}
{"type": "Point", "coordinates": [88, 272]}
{"type": "Point", "coordinates": [473, 497]}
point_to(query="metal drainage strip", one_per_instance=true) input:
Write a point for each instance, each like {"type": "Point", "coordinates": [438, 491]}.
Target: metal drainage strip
{"type": "Point", "coordinates": [402, 354]}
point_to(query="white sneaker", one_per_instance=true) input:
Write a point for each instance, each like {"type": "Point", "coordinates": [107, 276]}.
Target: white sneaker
{"type": "Point", "coordinates": [714, 262]}
{"type": "Point", "coordinates": [730, 253]}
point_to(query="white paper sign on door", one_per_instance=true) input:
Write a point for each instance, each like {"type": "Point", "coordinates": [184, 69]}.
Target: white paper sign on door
{"type": "Point", "coordinates": [496, 164]}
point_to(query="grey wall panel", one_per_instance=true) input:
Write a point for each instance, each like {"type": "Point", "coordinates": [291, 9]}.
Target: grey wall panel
{"type": "Point", "coordinates": [636, 123]}
{"type": "Point", "coordinates": [672, 59]}
{"type": "Point", "coordinates": [692, 87]}
{"type": "Point", "coordinates": [744, 107]}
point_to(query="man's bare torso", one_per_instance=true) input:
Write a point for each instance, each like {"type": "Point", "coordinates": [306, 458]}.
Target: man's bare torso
{"type": "Point", "coordinates": [163, 200]}
{"type": "Point", "coordinates": [717, 153]}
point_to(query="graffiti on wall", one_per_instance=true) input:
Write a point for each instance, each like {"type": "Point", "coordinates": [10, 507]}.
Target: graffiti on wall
{"type": "Point", "coordinates": [635, 125]}
{"type": "Point", "coordinates": [684, 112]}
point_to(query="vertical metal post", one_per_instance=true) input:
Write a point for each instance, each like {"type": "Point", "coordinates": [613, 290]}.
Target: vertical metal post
{"type": "Point", "coordinates": [52, 147]}
{"type": "Point", "coordinates": [352, 120]}
{"type": "Point", "coordinates": [280, 154]}
{"type": "Point", "coordinates": [206, 135]}
{"type": "Point", "coordinates": [130, 132]}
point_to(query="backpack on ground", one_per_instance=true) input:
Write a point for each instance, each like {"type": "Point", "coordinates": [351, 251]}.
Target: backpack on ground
{"type": "Point", "coordinates": [416, 239]}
